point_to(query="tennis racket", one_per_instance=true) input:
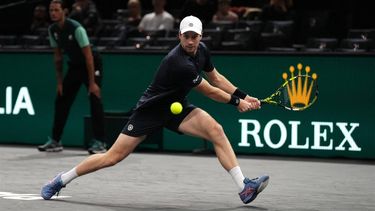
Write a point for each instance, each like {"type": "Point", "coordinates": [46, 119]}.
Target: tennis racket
{"type": "Point", "coordinates": [297, 93]}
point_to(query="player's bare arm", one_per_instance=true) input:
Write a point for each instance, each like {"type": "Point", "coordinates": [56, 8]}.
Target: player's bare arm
{"type": "Point", "coordinates": [220, 81]}
{"type": "Point", "coordinates": [221, 96]}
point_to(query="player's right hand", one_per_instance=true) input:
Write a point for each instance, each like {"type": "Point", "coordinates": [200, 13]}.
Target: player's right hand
{"type": "Point", "coordinates": [254, 102]}
{"type": "Point", "coordinates": [247, 106]}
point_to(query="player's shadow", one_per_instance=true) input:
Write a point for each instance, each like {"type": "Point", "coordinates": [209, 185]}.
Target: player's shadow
{"type": "Point", "coordinates": [51, 155]}
{"type": "Point", "coordinates": [146, 207]}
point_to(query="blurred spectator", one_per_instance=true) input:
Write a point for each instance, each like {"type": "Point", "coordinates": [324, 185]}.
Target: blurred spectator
{"type": "Point", "coordinates": [278, 10]}
{"type": "Point", "coordinates": [202, 9]}
{"type": "Point", "coordinates": [159, 19]}
{"type": "Point", "coordinates": [223, 12]}
{"type": "Point", "coordinates": [129, 21]}
{"type": "Point", "coordinates": [134, 15]}
{"type": "Point", "coordinates": [40, 21]}
{"type": "Point", "coordinates": [85, 12]}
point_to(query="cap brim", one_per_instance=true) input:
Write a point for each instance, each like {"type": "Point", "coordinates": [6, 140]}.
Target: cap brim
{"type": "Point", "coordinates": [191, 29]}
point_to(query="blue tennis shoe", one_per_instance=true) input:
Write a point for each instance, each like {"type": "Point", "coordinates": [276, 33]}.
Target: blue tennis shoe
{"type": "Point", "coordinates": [53, 187]}
{"type": "Point", "coordinates": [252, 188]}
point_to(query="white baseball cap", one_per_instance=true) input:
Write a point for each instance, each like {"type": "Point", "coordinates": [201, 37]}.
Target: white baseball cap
{"type": "Point", "coordinates": [191, 23]}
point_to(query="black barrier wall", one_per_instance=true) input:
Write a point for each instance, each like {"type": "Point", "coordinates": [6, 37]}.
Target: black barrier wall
{"type": "Point", "coordinates": [339, 124]}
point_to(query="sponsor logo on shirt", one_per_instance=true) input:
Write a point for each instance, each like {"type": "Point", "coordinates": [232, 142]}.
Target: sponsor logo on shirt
{"type": "Point", "coordinates": [196, 79]}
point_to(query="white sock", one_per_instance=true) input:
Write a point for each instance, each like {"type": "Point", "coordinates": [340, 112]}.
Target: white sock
{"type": "Point", "coordinates": [69, 176]}
{"type": "Point", "coordinates": [238, 177]}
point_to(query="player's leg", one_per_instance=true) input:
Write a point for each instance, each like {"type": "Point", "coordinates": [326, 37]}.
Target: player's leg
{"type": "Point", "coordinates": [63, 103]}
{"type": "Point", "coordinates": [123, 146]}
{"type": "Point", "coordinates": [200, 124]}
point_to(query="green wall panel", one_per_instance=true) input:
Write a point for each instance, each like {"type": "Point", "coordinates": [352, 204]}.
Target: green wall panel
{"type": "Point", "coordinates": [338, 125]}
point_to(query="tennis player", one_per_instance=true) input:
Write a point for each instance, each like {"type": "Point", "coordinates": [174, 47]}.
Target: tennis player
{"type": "Point", "coordinates": [179, 72]}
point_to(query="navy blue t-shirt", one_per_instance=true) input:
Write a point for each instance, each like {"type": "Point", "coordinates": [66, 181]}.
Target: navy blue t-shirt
{"type": "Point", "coordinates": [177, 74]}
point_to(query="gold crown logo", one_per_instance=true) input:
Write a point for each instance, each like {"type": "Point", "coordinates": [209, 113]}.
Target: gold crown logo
{"type": "Point", "coordinates": [299, 94]}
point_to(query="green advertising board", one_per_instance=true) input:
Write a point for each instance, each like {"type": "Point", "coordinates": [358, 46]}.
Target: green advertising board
{"type": "Point", "coordinates": [339, 124]}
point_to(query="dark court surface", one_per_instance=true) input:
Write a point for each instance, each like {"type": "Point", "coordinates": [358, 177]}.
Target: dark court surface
{"type": "Point", "coordinates": [171, 181]}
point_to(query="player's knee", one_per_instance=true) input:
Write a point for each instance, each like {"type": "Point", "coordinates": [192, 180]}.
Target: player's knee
{"type": "Point", "coordinates": [111, 162]}
{"type": "Point", "coordinates": [215, 131]}
{"type": "Point", "coordinates": [112, 159]}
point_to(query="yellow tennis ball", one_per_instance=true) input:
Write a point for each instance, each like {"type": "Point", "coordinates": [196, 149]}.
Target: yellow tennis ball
{"type": "Point", "coordinates": [176, 108]}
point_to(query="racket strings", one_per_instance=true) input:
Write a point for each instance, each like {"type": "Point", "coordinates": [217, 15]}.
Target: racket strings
{"type": "Point", "coordinates": [297, 93]}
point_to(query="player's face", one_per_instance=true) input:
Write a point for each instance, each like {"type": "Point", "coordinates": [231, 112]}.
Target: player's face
{"type": "Point", "coordinates": [56, 12]}
{"type": "Point", "coordinates": [190, 41]}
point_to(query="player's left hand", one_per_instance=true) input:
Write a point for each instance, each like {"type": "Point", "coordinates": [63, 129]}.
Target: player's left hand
{"type": "Point", "coordinates": [94, 89]}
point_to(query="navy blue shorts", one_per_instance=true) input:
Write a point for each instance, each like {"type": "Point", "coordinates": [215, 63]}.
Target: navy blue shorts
{"type": "Point", "coordinates": [148, 120]}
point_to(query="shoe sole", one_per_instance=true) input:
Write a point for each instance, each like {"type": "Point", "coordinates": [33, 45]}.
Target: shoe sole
{"type": "Point", "coordinates": [57, 149]}
{"type": "Point", "coordinates": [262, 186]}
{"type": "Point", "coordinates": [96, 152]}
